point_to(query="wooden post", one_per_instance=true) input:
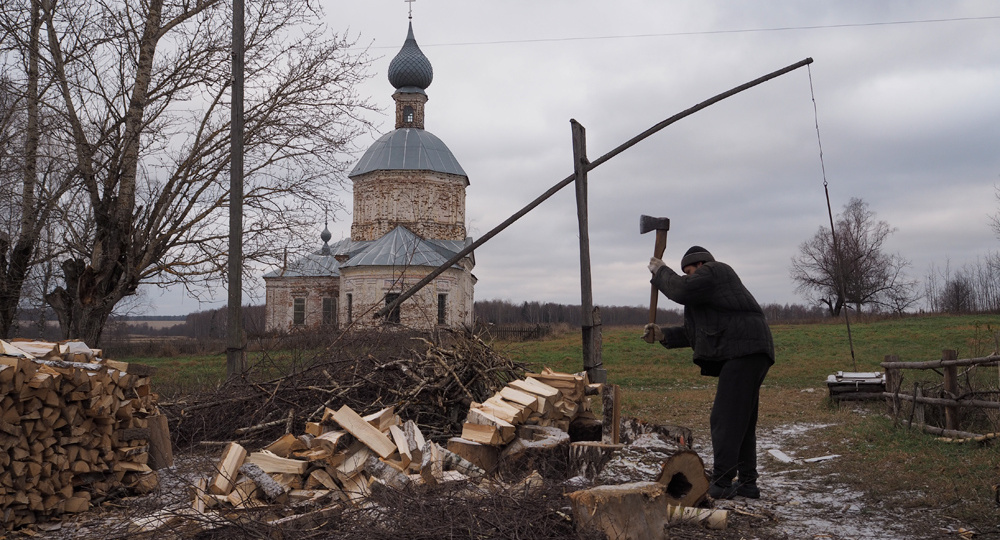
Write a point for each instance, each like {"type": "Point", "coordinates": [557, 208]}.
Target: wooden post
{"type": "Point", "coordinates": [591, 331]}
{"type": "Point", "coordinates": [951, 387]}
{"type": "Point", "coordinates": [611, 403]}
{"type": "Point", "coordinates": [235, 353]}
{"type": "Point", "coordinates": [893, 381]}
{"type": "Point", "coordinates": [917, 412]}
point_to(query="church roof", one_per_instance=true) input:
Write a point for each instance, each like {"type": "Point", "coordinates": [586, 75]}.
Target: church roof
{"type": "Point", "coordinates": [410, 70]}
{"type": "Point", "coordinates": [408, 149]}
{"type": "Point", "coordinates": [320, 263]}
{"type": "Point", "coordinates": [400, 247]}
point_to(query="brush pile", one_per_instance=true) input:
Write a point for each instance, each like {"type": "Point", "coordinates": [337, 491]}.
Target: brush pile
{"type": "Point", "coordinates": [73, 428]}
{"type": "Point", "coordinates": [429, 382]}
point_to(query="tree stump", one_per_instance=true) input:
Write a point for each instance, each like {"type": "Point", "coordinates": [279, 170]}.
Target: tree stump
{"type": "Point", "coordinates": [587, 458]}
{"type": "Point", "coordinates": [539, 448]}
{"type": "Point", "coordinates": [685, 478]}
{"type": "Point", "coordinates": [639, 461]}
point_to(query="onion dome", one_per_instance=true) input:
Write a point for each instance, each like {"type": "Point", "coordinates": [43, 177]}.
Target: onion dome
{"type": "Point", "coordinates": [325, 236]}
{"type": "Point", "coordinates": [410, 70]}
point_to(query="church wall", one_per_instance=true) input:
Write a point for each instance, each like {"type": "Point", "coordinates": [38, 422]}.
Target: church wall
{"type": "Point", "coordinates": [363, 293]}
{"type": "Point", "coordinates": [431, 204]}
{"type": "Point", "coordinates": [281, 294]}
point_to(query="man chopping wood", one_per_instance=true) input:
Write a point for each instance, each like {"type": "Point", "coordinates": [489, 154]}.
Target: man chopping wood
{"type": "Point", "coordinates": [731, 340]}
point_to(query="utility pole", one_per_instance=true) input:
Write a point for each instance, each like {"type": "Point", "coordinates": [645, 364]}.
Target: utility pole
{"type": "Point", "coordinates": [235, 359]}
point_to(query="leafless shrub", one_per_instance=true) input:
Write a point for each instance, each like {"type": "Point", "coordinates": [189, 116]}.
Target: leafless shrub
{"type": "Point", "coordinates": [428, 379]}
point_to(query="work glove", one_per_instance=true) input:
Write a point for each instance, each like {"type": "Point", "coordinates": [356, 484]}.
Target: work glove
{"type": "Point", "coordinates": [652, 333]}
{"type": "Point", "coordinates": [655, 265]}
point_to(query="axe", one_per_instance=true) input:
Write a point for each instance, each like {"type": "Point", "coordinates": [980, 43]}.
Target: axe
{"type": "Point", "coordinates": [661, 225]}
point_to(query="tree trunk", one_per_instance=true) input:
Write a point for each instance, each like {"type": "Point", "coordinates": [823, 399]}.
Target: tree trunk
{"type": "Point", "coordinates": [14, 270]}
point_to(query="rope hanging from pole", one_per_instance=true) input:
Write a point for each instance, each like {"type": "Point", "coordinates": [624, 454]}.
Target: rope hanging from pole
{"type": "Point", "coordinates": [838, 269]}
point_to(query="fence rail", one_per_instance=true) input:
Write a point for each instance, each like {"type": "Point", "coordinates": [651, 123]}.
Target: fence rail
{"type": "Point", "coordinates": [514, 332]}
{"type": "Point", "coordinates": [950, 399]}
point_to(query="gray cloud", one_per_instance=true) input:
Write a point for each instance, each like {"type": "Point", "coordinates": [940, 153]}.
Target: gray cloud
{"type": "Point", "coordinates": [909, 117]}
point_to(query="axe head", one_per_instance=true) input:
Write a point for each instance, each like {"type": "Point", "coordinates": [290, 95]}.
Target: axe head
{"type": "Point", "coordinates": [650, 223]}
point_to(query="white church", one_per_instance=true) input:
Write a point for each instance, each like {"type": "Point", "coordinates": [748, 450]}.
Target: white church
{"type": "Point", "coordinates": [408, 219]}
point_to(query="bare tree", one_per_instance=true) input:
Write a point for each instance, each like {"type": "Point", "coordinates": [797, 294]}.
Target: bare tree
{"type": "Point", "coordinates": [142, 101]}
{"type": "Point", "coordinates": [858, 273]}
{"type": "Point", "coordinates": [975, 287]}
{"type": "Point", "coordinates": [33, 178]}
{"type": "Point", "coordinates": [995, 218]}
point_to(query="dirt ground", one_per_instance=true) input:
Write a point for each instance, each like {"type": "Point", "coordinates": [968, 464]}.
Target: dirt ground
{"type": "Point", "coordinates": [799, 501]}
{"type": "Point", "coordinates": [807, 501]}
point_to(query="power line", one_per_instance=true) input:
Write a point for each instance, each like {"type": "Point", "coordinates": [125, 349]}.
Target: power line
{"type": "Point", "coordinates": [704, 32]}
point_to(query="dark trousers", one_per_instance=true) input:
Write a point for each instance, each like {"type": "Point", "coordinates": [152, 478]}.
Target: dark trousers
{"type": "Point", "coordinates": [734, 418]}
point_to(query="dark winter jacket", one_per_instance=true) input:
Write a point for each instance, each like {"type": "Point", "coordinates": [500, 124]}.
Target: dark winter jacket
{"type": "Point", "coordinates": [722, 320]}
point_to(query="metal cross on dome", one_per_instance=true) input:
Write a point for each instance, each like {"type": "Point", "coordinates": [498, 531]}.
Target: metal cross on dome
{"type": "Point", "coordinates": [411, 7]}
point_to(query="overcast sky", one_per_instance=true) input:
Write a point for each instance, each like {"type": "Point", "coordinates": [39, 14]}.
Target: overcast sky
{"type": "Point", "coordinates": [908, 100]}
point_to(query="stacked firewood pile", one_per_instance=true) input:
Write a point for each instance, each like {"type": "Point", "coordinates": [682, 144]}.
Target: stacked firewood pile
{"type": "Point", "coordinates": [74, 428]}
{"type": "Point", "coordinates": [544, 399]}
{"type": "Point", "coordinates": [342, 458]}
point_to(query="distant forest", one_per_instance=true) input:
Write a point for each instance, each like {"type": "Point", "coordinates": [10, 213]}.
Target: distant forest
{"type": "Point", "coordinates": [211, 324]}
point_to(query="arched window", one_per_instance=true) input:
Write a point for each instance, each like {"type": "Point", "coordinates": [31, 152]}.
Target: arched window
{"type": "Point", "coordinates": [408, 114]}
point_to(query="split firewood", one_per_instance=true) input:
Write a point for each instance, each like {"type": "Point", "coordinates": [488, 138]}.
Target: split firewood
{"type": "Point", "coordinates": [415, 440]}
{"type": "Point", "coordinates": [372, 437]}
{"type": "Point", "coordinates": [310, 495]}
{"type": "Point", "coordinates": [388, 474]}
{"type": "Point", "coordinates": [482, 433]}
{"type": "Point", "coordinates": [432, 466]}
{"type": "Point", "coordinates": [482, 455]}
{"type": "Point", "coordinates": [332, 441]}
{"type": "Point", "coordinates": [244, 495]}
{"type": "Point", "coordinates": [381, 420]}
{"type": "Point", "coordinates": [505, 431]}
{"type": "Point", "coordinates": [320, 477]}
{"type": "Point", "coordinates": [500, 409]}
{"type": "Point", "coordinates": [229, 465]}
{"type": "Point", "coordinates": [271, 463]}
{"type": "Point", "coordinates": [200, 499]}
{"type": "Point", "coordinates": [356, 488]}
{"type": "Point", "coordinates": [402, 445]}
{"type": "Point", "coordinates": [354, 461]}
{"type": "Point", "coordinates": [290, 481]}
{"type": "Point", "coordinates": [452, 461]}
{"type": "Point", "coordinates": [272, 490]}
{"type": "Point", "coordinates": [284, 445]}
{"type": "Point", "coordinates": [524, 399]}
{"type": "Point", "coordinates": [533, 385]}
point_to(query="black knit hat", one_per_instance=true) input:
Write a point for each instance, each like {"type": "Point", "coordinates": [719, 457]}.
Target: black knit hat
{"type": "Point", "coordinates": [694, 255]}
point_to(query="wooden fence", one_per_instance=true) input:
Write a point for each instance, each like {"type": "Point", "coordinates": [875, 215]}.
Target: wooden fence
{"type": "Point", "coordinates": [951, 399]}
{"type": "Point", "coordinates": [514, 332]}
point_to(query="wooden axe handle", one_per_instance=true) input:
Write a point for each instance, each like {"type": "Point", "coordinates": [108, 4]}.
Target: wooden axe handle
{"type": "Point", "coordinates": [661, 245]}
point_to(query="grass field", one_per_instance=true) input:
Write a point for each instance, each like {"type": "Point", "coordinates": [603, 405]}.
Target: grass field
{"type": "Point", "coordinates": [886, 461]}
